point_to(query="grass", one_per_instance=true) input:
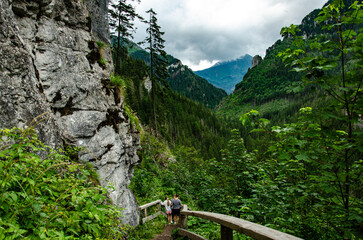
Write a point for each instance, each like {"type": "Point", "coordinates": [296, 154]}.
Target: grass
{"type": "Point", "coordinates": [148, 230]}
{"type": "Point", "coordinates": [117, 80]}
{"type": "Point", "coordinates": [100, 44]}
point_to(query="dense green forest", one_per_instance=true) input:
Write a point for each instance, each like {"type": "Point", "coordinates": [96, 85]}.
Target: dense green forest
{"type": "Point", "coordinates": [181, 121]}
{"type": "Point", "coordinates": [49, 194]}
{"type": "Point", "coordinates": [182, 79]}
{"type": "Point", "coordinates": [299, 172]}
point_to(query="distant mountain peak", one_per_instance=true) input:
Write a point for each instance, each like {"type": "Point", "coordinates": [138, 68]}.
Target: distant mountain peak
{"type": "Point", "coordinates": [247, 56]}
{"type": "Point", "coordinates": [227, 74]}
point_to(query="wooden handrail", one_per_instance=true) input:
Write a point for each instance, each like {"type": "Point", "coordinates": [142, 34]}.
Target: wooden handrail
{"type": "Point", "coordinates": [229, 223]}
{"type": "Point", "coordinates": [144, 208]}
{"type": "Point", "coordinates": [149, 204]}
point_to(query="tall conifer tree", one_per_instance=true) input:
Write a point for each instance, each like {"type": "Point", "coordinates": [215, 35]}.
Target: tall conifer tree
{"type": "Point", "coordinates": [158, 58]}
{"type": "Point", "coordinates": [121, 17]}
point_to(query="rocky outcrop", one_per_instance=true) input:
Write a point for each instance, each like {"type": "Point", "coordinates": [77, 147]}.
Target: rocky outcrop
{"type": "Point", "coordinates": [21, 94]}
{"type": "Point", "coordinates": [50, 62]}
{"type": "Point", "coordinates": [256, 60]}
{"type": "Point", "coordinates": [99, 13]}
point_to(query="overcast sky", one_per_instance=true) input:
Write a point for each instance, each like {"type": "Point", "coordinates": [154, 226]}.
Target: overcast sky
{"type": "Point", "coordinates": [202, 32]}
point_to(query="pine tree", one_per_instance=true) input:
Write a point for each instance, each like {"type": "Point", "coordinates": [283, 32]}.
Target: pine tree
{"type": "Point", "coordinates": [158, 58]}
{"type": "Point", "coordinates": [121, 15]}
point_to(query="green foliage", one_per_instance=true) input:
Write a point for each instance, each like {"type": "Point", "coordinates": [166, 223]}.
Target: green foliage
{"type": "Point", "coordinates": [44, 195]}
{"type": "Point", "coordinates": [204, 228]}
{"type": "Point", "coordinates": [307, 182]}
{"type": "Point", "coordinates": [311, 171]}
{"type": "Point", "coordinates": [121, 17]}
{"type": "Point", "coordinates": [102, 62]}
{"type": "Point", "coordinates": [158, 59]}
{"type": "Point", "coordinates": [186, 82]}
{"type": "Point", "coordinates": [302, 178]}
{"type": "Point", "coordinates": [337, 68]}
{"type": "Point", "coordinates": [117, 80]}
{"type": "Point", "coordinates": [181, 121]}
{"type": "Point", "coordinates": [134, 120]}
{"type": "Point", "coordinates": [155, 41]}
{"type": "Point", "coordinates": [149, 182]}
{"type": "Point", "coordinates": [100, 44]}
{"type": "Point", "coordinates": [182, 79]}
{"type": "Point", "coordinates": [122, 84]}
{"type": "Point", "coordinates": [148, 230]}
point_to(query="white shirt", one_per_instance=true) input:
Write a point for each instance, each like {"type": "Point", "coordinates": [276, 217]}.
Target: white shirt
{"type": "Point", "coordinates": [165, 203]}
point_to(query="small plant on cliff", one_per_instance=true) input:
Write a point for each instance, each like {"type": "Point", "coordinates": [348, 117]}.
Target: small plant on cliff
{"type": "Point", "coordinates": [100, 44]}
{"type": "Point", "coordinates": [102, 62]}
{"type": "Point", "coordinates": [49, 197]}
{"type": "Point", "coordinates": [117, 80]}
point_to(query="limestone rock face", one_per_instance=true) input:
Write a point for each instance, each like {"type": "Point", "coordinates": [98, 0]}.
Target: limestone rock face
{"type": "Point", "coordinates": [50, 63]}
{"type": "Point", "coordinates": [21, 94]}
{"type": "Point", "coordinates": [256, 60]}
{"type": "Point", "coordinates": [98, 10]}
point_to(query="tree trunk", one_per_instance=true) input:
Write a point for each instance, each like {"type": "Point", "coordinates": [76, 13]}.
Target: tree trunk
{"type": "Point", "coordinates": [153, 84]}
{"type": "Point", "coordinates": [117, 70]}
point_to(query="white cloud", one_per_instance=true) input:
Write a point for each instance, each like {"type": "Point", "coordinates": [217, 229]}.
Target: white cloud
{"type": "Point", "coordinates": [203, 64]}
{"type": "Point", "coordinates": [200, 31]}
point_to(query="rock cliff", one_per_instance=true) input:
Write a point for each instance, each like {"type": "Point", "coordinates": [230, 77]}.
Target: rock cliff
{"type": "Point", "coordinates": [256, 60]}
{"type": "Point", "coordinates": [50, 63]}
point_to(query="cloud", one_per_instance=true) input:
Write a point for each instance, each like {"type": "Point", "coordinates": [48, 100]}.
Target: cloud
{"type": "Point", "coordinates": [201, 31]}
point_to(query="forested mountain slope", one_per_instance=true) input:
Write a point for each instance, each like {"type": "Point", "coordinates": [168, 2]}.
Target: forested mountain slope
{"type": "Point", "coordinates": [299, 173]}
{"type": "Point", "coordinates": [227, 74]}
{"type": "Point", "coordinates": [183, 80]}
{"type": "Point", "coordinates": [271, 86]}
{"type": "Point", "coordinates": [181, 121]}
{"type": "Point", "coordinates": [267, 87]}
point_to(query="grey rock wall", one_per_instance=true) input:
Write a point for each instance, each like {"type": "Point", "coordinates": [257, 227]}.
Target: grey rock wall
{"type": "Point", "coordinates": [22, 97]}
{"type": "Point", "coordinates": [99, 13]}
{"type": "Point", "coordinates": [256, 60]}
{"type": "Point", "coordinates": [50, 63]}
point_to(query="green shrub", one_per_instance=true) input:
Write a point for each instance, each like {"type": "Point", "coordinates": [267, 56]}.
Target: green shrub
{"type": "Point", "coordinates": [117, 80]}
{"type": "Point", "coordinates": [148, 230]}
{"type": "Point", "coordinates": [49, 197]}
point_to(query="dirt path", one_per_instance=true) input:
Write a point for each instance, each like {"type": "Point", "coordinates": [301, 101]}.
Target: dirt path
{"type": "Point", "coordinates": [166, 235]}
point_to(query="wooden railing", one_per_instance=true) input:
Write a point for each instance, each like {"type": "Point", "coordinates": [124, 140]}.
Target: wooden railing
{"type": "Point", "coordinates": [143, 208]}
{"type": "Point", "coordinates": [228, 225]}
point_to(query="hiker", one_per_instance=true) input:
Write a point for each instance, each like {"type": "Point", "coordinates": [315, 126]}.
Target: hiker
{"type": "Point", "coordinates": [167, 205]}
{"type": "Point", "coordinates": [176, 206]}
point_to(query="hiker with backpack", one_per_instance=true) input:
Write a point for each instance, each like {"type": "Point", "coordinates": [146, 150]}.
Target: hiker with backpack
{"type": "Point", "coordinates": [167, 204]}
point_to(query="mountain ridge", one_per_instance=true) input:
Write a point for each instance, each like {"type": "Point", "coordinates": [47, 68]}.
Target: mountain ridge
{"type": "Point", "coordinates": [227, 74]}
{"type": "Point", "coordinates": [183, 80]}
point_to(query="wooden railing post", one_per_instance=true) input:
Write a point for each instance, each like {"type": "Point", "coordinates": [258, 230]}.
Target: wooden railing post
{"type": "Point", "coordinates": [226, 233]}
{"type": "Point", "coordinates": [184, 218]}
{"type": "Point", "coordinates": [144, 209]}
